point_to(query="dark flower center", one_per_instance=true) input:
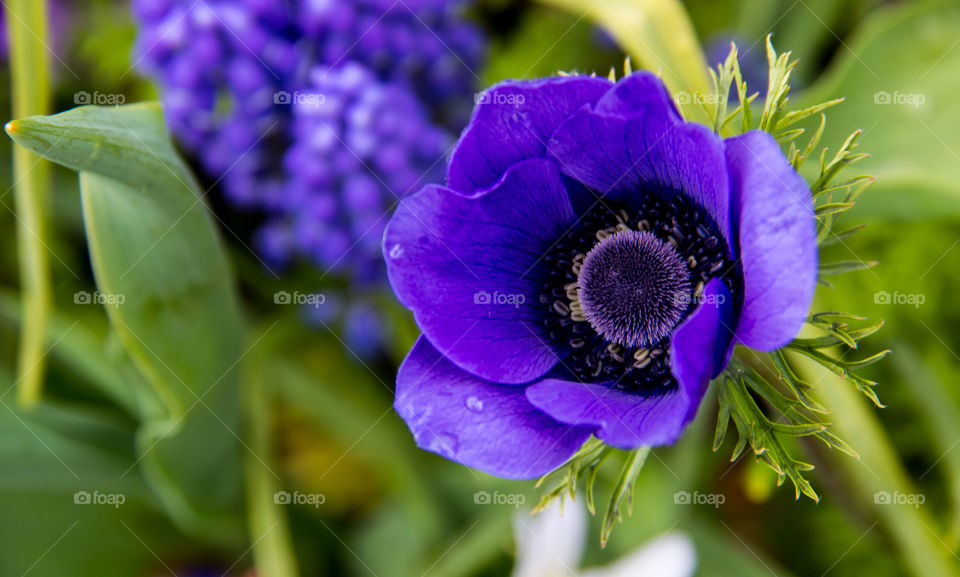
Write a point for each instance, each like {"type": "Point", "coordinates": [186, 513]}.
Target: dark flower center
{"type": "Point", "coordinates": [617, 285]}
{"type": "Point", "coordinates": [633, 288]}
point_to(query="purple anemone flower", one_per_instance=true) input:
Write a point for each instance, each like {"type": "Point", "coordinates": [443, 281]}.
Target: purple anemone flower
{"type": "Point", "coordinates": [587, 270]}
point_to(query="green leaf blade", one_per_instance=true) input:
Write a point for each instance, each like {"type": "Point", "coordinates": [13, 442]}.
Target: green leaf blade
{"type": "Point", "coordinates": [154, 247]}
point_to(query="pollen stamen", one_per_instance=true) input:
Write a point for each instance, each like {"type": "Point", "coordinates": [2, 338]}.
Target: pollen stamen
{"type": "Point", "coordinates": [627, 288]}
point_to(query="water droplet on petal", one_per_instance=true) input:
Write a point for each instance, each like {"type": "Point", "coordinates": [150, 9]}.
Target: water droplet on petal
{"type": "Point", "coordinates": [474, 404]}
{"type": "Point", "coordinates": [446, 444]}
{"type": "Point", "coordinates": [396, 251]}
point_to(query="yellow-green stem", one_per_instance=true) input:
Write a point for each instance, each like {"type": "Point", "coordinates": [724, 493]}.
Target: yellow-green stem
{"type": "Point", "coordinates": [268, 525]}
{"type": "Point", "coordinates": [30, 80]}
{"type": "Point", "coordinates": [659, 36]}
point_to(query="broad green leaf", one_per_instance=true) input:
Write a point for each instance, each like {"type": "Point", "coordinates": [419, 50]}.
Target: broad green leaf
{"type": "Point", "coordinates": [54, 454]}
{"type": "Point", "coordinates": [158, 260]}
{"type": "Point", "coordinates": [898, 77]}
{"type": "Point", "coordinates": [934, 399]}
{"type": "Point", "coordinates": [911, 529]}
{"type": "Point", "coordinates": [66, 449]}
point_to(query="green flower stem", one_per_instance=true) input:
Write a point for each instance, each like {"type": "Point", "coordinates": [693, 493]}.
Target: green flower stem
{"type": "Point", "coordinates": [658, 34]}
{"type": "Point", "coordinates": [30, 78]}
{"type": "Point", "coordinates": [912, 530]}
{"type": "Point", "coordinates": [268, 524]}
{"type": "Point", "coordinates": [81, 351]}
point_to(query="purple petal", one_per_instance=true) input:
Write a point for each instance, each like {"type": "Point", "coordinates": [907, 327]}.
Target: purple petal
{"type": "Point", "coordinates": [468, 269]}
{"type": "Point", "coordinates": [483, 425]}
{"type": "Point", "coordinates": [700, 345]}
{"type": "Point", "coordinates": [628, 420]}
{"type": "Point", "coordinates": [513, 122]}
{"type": "Point", "coordinates": [633, 141]}
{"type": "Point", "coordinates": [642, 91]}
{"type": "Point", "coordinates": [773, 210]}
{"type": "Point", "coordinates": [625, 420]}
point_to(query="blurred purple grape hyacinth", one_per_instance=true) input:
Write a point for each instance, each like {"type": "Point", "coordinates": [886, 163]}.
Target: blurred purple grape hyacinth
{"type": "Point", "coordinates": [587, 270]}
{"type": "Point", "coordinates": [424, 44]}
{"type": "Point", "coordinates": [320, 113]}
{"type": "Point", "coordinates": [378, 145]}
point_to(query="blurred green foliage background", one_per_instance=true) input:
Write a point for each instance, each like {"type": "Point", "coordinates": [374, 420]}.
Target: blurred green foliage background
{"type": "Point", "coordinates": [319, 421]}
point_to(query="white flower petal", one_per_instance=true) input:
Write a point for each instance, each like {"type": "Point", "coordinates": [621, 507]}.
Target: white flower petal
{"type": "Point", "coordinates": [550, 544]}
{"type": "Point", "coordinates": [671, 555]}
